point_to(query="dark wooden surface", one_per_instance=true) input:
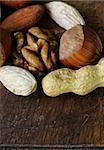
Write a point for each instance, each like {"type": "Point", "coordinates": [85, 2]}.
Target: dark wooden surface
{"type": "Point", "coordinates": [66, 119]}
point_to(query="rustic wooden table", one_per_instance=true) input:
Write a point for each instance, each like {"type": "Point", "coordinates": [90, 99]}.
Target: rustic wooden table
{"type": "Point", "coordinates": [65, 120]}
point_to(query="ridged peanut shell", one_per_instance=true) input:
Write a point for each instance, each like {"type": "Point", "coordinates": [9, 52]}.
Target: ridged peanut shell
{"type": "Point", "coordinates": [81, 81]}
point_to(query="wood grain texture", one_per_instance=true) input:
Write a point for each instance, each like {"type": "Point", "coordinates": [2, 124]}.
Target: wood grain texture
{"type": "Point", "coordinates": [66, 119]}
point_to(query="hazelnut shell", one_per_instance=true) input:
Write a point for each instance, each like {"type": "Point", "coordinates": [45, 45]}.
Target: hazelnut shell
{"type": "Point", "coordinates": [79, 46]}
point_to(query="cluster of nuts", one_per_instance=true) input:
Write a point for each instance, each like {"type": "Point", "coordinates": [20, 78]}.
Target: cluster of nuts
{"type": "Point", "coordinates": [38, 53]}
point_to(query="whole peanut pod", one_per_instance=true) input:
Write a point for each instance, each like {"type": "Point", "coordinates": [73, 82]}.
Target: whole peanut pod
{"type": "Point", "coordinates": [81, 81]}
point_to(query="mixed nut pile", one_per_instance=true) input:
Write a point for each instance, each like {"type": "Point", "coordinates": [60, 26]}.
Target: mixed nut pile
{"type": "Point", "coordinates": [35, 51]}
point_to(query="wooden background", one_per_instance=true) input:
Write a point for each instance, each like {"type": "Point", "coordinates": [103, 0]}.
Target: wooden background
{"type": "Point", "coordinates": [66, 119]}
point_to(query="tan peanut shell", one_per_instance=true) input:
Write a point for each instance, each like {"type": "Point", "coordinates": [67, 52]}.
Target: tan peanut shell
{"type": "Point", "coordinates": [80, 82]}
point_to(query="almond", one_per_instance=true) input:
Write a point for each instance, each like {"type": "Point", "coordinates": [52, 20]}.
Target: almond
{"type": "Point", "coordinates": [5, 46]}
{"type": "Point", "coordinates": [17, 80]}
{"type": "Point", "coordinates": [66, 16]}
{"type": "Point", "coordinates": [23, 18]}
{"type": "Point", "coordinates": [15, 3]}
